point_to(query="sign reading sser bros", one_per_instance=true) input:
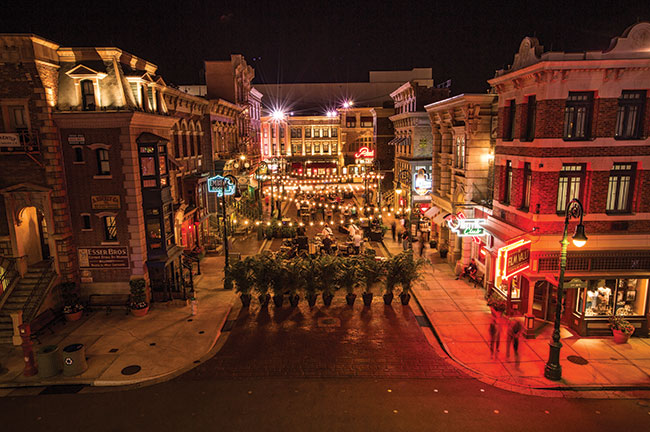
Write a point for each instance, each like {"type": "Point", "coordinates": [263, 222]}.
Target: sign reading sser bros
{"type": "Point", "coordinates": [104, 257]}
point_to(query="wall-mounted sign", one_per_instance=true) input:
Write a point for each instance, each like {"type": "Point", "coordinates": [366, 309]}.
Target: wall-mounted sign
{"type": "Point", "coordinates": [512, 259]}
{"type": "Point", "coordinates": [422, 182]}
{"type": "Point", "coordinates": [9, 140]}
{"type": "Point", "coordinates": [221, 185]}
{"type": "Point", "coordinates": [463, 227]}
{"type": "Point", "coordinates": [103, 257]}
{"type": "Point", "coordinates": [364, 152]}
{"type": "Point", "coordinates": [105, 202]}
{"type": "Point", "coordinates": [76, 139]}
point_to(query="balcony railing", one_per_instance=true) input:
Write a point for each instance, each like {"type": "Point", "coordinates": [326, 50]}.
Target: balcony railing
{"type": "Point", "coordinates": [22, 141]}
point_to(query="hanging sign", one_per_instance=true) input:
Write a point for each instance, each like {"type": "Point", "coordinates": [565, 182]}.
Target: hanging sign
{"type": "Point", "coordinates": [105, 202]}
{"type": "Point", "coordinates": [365, 152]}
{"type": "Point", "coordinates": [422, 182]}
{"type": "Point", "coordinates": [9, 140]}
{"type": "Point", "coordinates": [463, 227]}
{"type": "Point", "coordinates": [221, 185]}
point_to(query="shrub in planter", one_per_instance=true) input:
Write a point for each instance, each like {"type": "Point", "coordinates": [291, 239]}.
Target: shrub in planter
{"type": "Point", "coordinates": [262, 270]}
{"type": "Point", "coordinates": [371, 271]}
{"type": "Point", "coordinates": [497, 304]}
{"type": "Point", "coordinates": [346, 277]}
{"type": "Point", "coordinates": [622, 329]}
{"type": "Point", "coordinates": [443, 250]}
{"type": "Point", "coordinates": [72, 307]}
{"type": "Point", "coordinates": [295, 281]}
{"type": "Point", "coordinates": [139, 305]}
{"type": "Point", "coordinates": [240, 272]}
{"type": "Point", "coordinates": [326, 269]}
{"type": "Point", "coordinates": [392, 278]}
{"type": "Point", "coordinates": [409, 270]}
{"type": "Point", "coordinates": [310, 279]}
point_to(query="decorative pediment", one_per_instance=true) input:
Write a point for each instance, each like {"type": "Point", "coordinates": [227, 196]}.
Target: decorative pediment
{"type": "Point", "coordinates": [84, 72]}
{"type": "Point", "coordinates": [530, 52]}
{"type": "Point", "coordinates": [635, 41]}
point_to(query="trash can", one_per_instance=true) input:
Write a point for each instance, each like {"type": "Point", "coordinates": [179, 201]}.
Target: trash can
{"type": "Point", "coordinates": [48, 360]}
{"type": "Point", "coordinates": [74, 360]}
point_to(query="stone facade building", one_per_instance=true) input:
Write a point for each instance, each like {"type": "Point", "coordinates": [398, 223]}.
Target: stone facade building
{"type": "Point", "coordinates": [576, 125]}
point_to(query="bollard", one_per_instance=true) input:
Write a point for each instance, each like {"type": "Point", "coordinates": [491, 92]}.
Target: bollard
{"type": "Point", "coordinates": [28, 352]}
{"type": "Point", "coordinates": [194, 304]}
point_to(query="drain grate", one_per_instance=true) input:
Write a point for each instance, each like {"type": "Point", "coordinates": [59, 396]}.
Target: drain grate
{"type": "Point", "coordinates": [113, 350]}
{"type": "Point", "coordinates": [577, 360]}
{"type": "Point", "coordinates": [131, 370]}
{"type": "Point", "coordinates": [329, 322]}
{"type": "Point", "coordinates": [63, 389]}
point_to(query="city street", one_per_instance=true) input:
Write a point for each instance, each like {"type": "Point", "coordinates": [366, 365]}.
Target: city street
{"type": "Point", "coordinates": [325, 369]}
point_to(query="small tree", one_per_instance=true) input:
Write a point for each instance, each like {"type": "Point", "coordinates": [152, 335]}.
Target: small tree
{"type": "Point", "coordinates": [409, 270]}
{"type": "Point", "coordinates": [371, 270]}
{"type": "Point", "coordinates": [138, 288]}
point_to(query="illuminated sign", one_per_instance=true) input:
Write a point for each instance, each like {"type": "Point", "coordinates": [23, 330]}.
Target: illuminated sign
{"type": "Point", "coordinates": [422, 182]}
{"type": "Point", "coordinates": [513, 259]}
{"type": "Point", "coordinates": [364, 152]}
{"type": "Point", "coordinates": [221, 185]}
{"type": "Point", "coordinates": [463, 227]}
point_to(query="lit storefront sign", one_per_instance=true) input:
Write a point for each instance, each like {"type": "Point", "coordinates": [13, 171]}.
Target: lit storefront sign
{"type": "Point", "coordinates": [513, 259]}
{"type": "Point", "coordinates": [422, 182]}
{"type": "Point", "coordinates": [364, 152]}
{"type": "Point", "coordinates": [221, 185]}
{"type": "Point", "coordinates": [464, 227]}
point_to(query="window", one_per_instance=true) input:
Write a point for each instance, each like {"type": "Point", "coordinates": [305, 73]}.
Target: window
{"type": "Point", "coordinates": [350, 121]}
{"type": "Point", "coordinates": [18, 117]}
{"type": "Point", "coordinates": [525, 204]}
{"type": "Point", "coordinates": [577, 116]}
{"type": "Point", "coordinates": [460, 152]}
{"type": "Point", "coordinates": [335, 132]}
{"type": "Point", "coordinates": [324, 133]}
{"type": "Point", "coordinates": [568, 186]}
{"type": "Point", "coordinates": [326, 147]}
{"type": "Point", "coordinates": [507, 187]}
{"type": "Point", "coordinates": [87, 95]}
{"type": "Point", "coordinates": [620, 188]}
{"type": "Point", "coordinates": [281, 132]}
{"type": "Point", "coordinates": [177, 149]}
{"type": "Point", "coordinates": [272, 132]}
{"type": "Point", "coordinates": [198, 145]}
{"type": "Point", "coordinates": [103, 164]}
{"type": "Point", "coordinates": [531, 109]}
{"type": "Point", "coordinates": [78, 154]}
{"type": "Point", "coordinates": [308, 147]}
{"type": "Point", "coordinates": [366, 121]}
{"type": "Point", "coordinates": [317, 147]}
{"type": "Point", "coordinates": [85, 222]}
{"type": "Point", "coordinates": [296, 133]}
{"type": "Point", "coordinates": [334, 147]}
{"type": "Point", "coordinates": [110, 228]}
{"type": "Point", "coordinates": [604, 297]}
{"type": "Point", "coordinates": [308, 132]}
{"type": "Point", "coordinates": [630, 114]}
{"type": "Point", "coordinates": [185, 149]}
{"type": "Point", "coordinates": [509, 132]}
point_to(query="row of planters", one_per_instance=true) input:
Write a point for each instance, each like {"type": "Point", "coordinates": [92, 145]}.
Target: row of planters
{"type": "Point", "coordinates": [621, 328]}
{"type": "Point", "coordinates": [268, 273]}
{"type": "Point", "coordinates": [73, 307]}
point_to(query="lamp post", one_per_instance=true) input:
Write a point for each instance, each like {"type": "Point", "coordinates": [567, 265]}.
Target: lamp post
{"type": "Point", "coordinates": [225, 230]}
{"type": "Point", "coordinates": [404, 177]}
{"type": "Point", "coordinates": [574, 209]}
{"type": "Point", "coordinates": [260, 183]}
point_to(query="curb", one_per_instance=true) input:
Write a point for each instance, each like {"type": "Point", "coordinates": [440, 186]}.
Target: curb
{"type": "Point", "coordinates": [604, 391]}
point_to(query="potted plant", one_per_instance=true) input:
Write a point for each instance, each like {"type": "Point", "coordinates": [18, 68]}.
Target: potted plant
{"type": "Point", "coordinates": [443, 250]}
{"type": "Point", "coordinates": [295, 280]}
{"type": "Point", "coordinates": [497, 305]}
{"type": "Point", "coordinates": [622, 329]}
{"type": "Point", "coordinates": [262, 276]}
{"type": "Point", "coordinates": [409, 271]}
{"type": "Point", "coordinates": [327, 268]}
{"type": "Point", "coordinates": [392, 279]}
{"type": "Point", "coordinates": [139, 306]}
{"type": "Point", "coordinates": [278, 280]}
{"type": "Point", "coordinates": [72, 307]}
{"type": "Point", "coordinates": [347, 278]}
{"type": "Point", "coordinates": [310, 280]}
{"type": "Point", "coordinates": [240, 273]}
{"type": "Point", "coordinates": [371, 272]}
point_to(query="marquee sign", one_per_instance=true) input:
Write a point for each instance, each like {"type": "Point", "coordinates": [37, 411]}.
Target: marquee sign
{"type": "Point", "coordinates": [365, 152]}
{"type": "Point", "coordinates": [221, 185]}
{"type": "Point", "coordinates": [513, 259]}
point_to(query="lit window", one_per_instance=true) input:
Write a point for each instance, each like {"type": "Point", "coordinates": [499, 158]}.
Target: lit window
{"type": "Point", "coordinates": [110, 228]}
{"type": "Point", "coordinates": [103, 164]}
{"type": "Point", "coordinates": [577, 116]}
{"type": "Point", "coordinates": [87, 95]}
{"type": "Point", "coordinates": [620, 187]}
{"type": "Point", "coordinates": [630, 114]}
{"type": "Point", "coordinates": [569, 185]}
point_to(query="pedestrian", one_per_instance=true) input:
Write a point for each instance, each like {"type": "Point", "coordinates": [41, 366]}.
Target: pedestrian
{"type": "Point", "coordinates": [421, 247]}
{"type": "Point", "coordinates": [357, 242]}
{"type": "Point", "coordinates": [494, 337]}
{"type": "Point", "coordinates": [514, 331]}
{"type": "Point", "coordinates": [405, 240]}
{"type": "Point", "coordinates": [393, 229]}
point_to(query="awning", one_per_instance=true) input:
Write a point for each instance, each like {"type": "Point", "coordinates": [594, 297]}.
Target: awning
{"type": "Point", "coordinates": [431, 212]}
{"type": "Point", "coordinates": [396, 141]}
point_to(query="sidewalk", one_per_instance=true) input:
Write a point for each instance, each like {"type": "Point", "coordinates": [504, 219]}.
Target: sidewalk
{"type": "Point", "coordinates": [167, 341]}
{"type": "Point", "coordinates": [460, 317]}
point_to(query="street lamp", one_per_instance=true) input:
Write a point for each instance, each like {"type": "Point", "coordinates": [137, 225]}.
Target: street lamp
{"type": "Point", "coordinates": [404, 177]}
{"type": "Point", "coordinates": [574, 209]}
{"type": "Point", "coordinates": [233, 180]}
{"type": "Point", "coordinates": [260, 183]}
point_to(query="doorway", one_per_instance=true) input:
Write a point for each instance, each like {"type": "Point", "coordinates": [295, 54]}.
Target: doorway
{"type": "Point", "coordinates": [32, 235]}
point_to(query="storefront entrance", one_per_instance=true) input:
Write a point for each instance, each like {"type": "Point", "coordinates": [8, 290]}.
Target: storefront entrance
{"type": "Point", "coordinates": [544, 301]}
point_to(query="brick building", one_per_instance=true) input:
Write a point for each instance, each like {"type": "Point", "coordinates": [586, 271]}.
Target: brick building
{"type": "Point", "coordinates": [575, 125]}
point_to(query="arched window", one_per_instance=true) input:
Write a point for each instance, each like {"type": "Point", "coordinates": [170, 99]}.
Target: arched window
{"type": "Point", "coordinates": [87, 95]}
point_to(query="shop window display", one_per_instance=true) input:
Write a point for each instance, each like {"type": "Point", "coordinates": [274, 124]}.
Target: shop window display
{"type": "Point", "coordinates": [605, 297]}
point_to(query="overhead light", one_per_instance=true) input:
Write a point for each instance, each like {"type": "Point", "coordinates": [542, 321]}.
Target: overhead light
{"type": "Point", "coordinates": [579, 238]}
{"type": "Point", "coordinates": [278, 115]}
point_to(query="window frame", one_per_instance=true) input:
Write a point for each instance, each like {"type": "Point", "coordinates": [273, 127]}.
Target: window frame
{"type": "Point", "coordinates": [527, 187]}
{"type": "Point", "coordinates": [571, 118]}
{"type": "Point", "coordinates": [623, 115]}
{"type": "Point", "coordinates": [85, 217]}
{"type": "Point", "coordinates": [86, 105]}
{"type": "Point", "coordinates": [619, 171]}
{"type": "Point", "coordinates": [531, 111]}
{"type": "Point", "coordinates": [103, 165]}
{"type": "Point", "coordinates": [507, 183]}
{"type": "Point", "coordinates": [110, 227]}
{"type": "Point", "coordinates": [509, 131]}
{"type": "Point", "coordinates": [569, 172]}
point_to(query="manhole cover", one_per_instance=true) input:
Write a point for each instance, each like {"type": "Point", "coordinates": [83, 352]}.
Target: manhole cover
{"type": "Point", "coordinates": [329, 322]}
{"type": "Point", "coordinates": [113, 350]}
{"type": "Point", "coordinates": [131, 370]}
{"type": "Point", "coordinates": [577, 360]}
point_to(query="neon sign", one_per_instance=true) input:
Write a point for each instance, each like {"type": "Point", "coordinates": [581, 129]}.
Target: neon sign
{"type": "Point", "coordinates": [513, 259]}
{"type": "Point", "coordinates": [421, 182]}
{"type": "Point", "coordinates": [364, 152]}
{"type": "Point", "coordinates": [463, 227]}
{"type": "Point", "coordinates": [221, 186]}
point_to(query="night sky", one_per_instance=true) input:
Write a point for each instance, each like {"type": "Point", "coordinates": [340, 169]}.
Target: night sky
{"type": "Point", "coordinates": [328, 41]}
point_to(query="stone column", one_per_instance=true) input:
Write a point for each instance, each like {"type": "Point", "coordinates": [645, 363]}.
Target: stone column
{"type": "Point", "coordinates": [16, 321]}
{"type": "Point", "coordinates": [445, 175]}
